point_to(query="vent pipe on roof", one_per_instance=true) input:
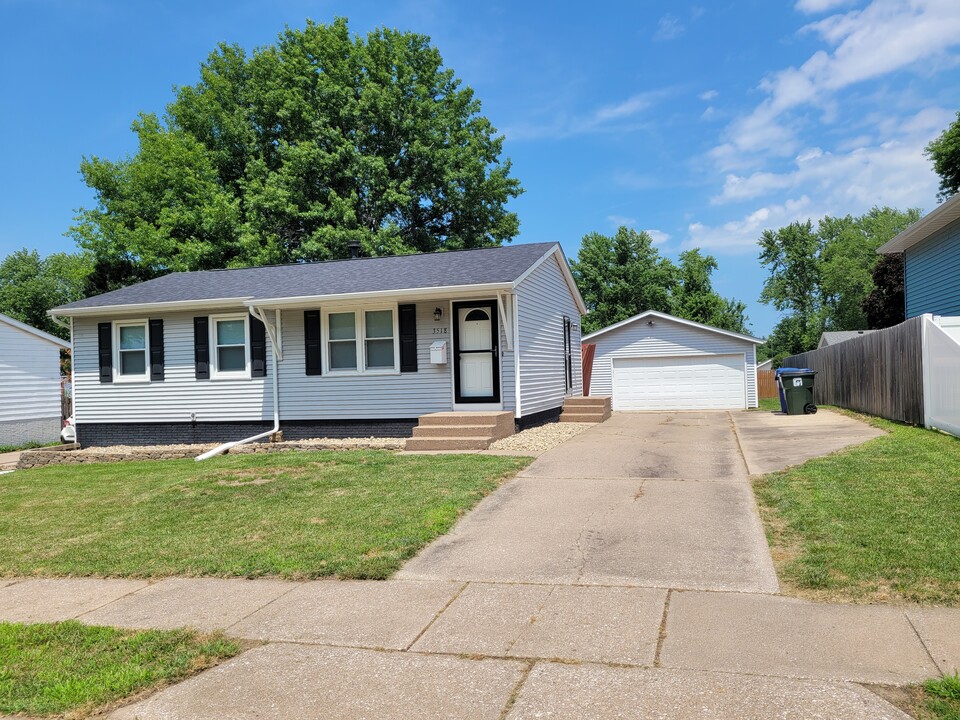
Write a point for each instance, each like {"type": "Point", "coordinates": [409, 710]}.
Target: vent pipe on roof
{"type": "Point", "coordinates": [354, 246]}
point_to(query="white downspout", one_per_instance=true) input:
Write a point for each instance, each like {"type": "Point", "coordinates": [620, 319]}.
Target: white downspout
{"type": "Point", "coordinates": [220, 449]}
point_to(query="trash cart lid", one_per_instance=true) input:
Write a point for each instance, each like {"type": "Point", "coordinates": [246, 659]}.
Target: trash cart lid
{"type": "Point", "coordinates": [788, 372]}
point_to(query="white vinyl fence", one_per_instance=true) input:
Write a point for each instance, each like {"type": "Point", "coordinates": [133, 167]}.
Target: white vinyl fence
{"type": "Point", "coordinates": [941, 373]}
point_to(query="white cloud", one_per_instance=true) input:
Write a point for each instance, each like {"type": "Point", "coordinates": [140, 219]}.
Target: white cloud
{"type": "Point", "coordinates": [658, 236]}
{"type": "Point", "coordinates": [669, 28]}
{"type": "Point", "coordinates": [620, 221]}
{"type": "Point", "coordinates": [708, 95]}
{"type": "Point", "coordinates": [885, 36]}
{"type": "Point", "coordinates": [818, 6]}
{"type": "Point", "coordinates": [740, 236]}
{"type": "Point", "coordinates": [617, 117]}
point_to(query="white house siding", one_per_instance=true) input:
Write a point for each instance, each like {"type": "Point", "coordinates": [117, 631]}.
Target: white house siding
{"type": "Point", "coordinates": [29, 388]}
{"type": "Point", "coordinates": [369, 397]}
{"type": "Point", "coordinates": [175, 398]}
{"type": "Point", "coordinates": [543, 299]}
{"type": "Point", "coordinates": [302, 397]}
{"type": "Point", "coordinates": [665, 339]}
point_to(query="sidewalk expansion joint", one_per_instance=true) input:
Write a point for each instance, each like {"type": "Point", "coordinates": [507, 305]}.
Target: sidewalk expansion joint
{"type": "Point", "coordinates": [150, 583]}
{"type": "Point", "coordinates": [437, 616]}
{"type": "Point", "coordinates": [293, 587]}
{"type": "Point", "coordinates": [515, 693]}
{"type": "Point", "coordinates": [924, 645]}
{"type": "Point", "coordinates": [662, 634]}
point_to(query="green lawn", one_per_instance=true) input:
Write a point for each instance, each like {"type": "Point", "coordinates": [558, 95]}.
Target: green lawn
{"type": "Point", "coordinates": [352, 514]}
{"type": "Point", "coordinates": [769, 404]}
{"type": "Point", "coordinates": [942, 699]}
{"type": "Point", "coordinates": [71, 668]}
{"type": "Point", "coordinates": [27, 446]}
{"type": "Point", "coordinates": [877, 522]}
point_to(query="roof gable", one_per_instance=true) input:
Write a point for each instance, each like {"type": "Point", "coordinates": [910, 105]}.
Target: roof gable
{"type": "Point", "coordinates": [647, 314]}
{"type": "Point", "coordinates": [30, 330]}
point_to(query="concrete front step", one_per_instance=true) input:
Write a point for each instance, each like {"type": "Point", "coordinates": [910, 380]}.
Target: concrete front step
{"type": "Point", "coordinates": [467, 418]}
{"type": "Point", "coordinates": [583, 417]}
{"type": "Point", "coordinates": [589, 401]}
{"type": "Point", "coordinates": [437, 431]}
{"type": "Point", "coordinates": [419, 444]}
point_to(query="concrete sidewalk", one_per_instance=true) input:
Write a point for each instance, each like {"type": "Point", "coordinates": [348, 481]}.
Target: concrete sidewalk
{"type": "Point", "coordinates": [385, 645]}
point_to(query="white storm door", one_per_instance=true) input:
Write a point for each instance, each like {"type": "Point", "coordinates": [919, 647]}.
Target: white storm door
{"type": "Point", "coordinates": [476, 349]}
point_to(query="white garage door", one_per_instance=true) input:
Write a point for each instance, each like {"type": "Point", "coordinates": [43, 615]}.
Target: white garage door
{"type": "Point", "coordinates": [699, 382]}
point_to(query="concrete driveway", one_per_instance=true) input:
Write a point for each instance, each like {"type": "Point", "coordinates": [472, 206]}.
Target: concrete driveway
{"type": "Point", "coordinates": [645, 499]}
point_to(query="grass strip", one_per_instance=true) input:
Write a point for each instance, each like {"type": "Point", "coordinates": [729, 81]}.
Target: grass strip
{"type": "Point", "coordinates": [873, 523]}
{"type": "Point", "coordinates": [53, 669]}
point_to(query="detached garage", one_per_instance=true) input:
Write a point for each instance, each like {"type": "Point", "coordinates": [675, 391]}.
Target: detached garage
{"type": "Point", "coordinates": [654, 361]}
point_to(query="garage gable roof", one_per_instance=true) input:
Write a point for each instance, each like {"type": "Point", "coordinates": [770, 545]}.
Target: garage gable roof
{"type": "Point", "coordinates": [650, 314]}
{"type": "Point", "coordinates": [29, 329]}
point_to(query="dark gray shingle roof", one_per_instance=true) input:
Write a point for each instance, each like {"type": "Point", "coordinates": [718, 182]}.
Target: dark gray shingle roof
{"type": "Point", "coordinates": [401, 272]}
{"type": "Point", "coordinates": [839, 336]}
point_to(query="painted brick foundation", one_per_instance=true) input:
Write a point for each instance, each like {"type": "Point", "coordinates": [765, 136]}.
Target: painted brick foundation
{"type": "Point", "coordinates": [106, 434]}
{"type": "Point", "coordinates": [540, 418]}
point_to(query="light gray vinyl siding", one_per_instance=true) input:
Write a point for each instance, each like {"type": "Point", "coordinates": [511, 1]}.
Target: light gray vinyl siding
{"type": "Point", "coordinates": [29, 376]}
{"type": "Point", "coordinates": [302, 397]}
{"type": "Point", "coordinates": [543, 299]}
{"type": "Point", "coordinates": [368, 397]}
{"type": "Point", "coordinates": [178, 396]}
{"type": "Point", "coordinates": [665, 339]}
{"type": "Point", "coordinates": [932, 274]}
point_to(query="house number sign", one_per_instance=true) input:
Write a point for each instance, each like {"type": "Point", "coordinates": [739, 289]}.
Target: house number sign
{"type": "Point", "coordinates": [440, 331]}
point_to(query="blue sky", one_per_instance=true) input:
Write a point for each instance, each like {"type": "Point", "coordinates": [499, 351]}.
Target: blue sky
{"type": "Point", "coordinates": [704, 123]}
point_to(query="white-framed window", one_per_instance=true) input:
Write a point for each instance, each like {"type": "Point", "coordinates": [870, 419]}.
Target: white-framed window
{"type": "Point", "coordinates": [229, 346]}
{"type": "Point", "coordinates": [361, 340]}
{"type": "Point", "coordinates": [131, 342]}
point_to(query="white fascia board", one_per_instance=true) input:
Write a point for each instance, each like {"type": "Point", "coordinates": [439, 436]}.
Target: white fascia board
{"type": "Point", "coordinates": [671, 318]}
{"type": "Point", "coordinates": [52, 339]}
{"type": "Point", "coordinates": [446, 291]}
{"type": "Point", "coordinates": [923, 228]}
{"type": "Point", "coordinates": [556, 250]}
{"type": "Point", "coordinates": [141, 308]}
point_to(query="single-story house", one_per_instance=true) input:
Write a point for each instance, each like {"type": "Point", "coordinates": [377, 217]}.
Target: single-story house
{"type": "Point", "coordinates": [931, 257]}
{"type": "Point", "coordinates": [654, 361]}
{"type": "Point", "coordinates": [342, 348]}
{"type": "Point", "coordinates": [838, 336]}
{"type": "Point", "coordinates": [29, 384]}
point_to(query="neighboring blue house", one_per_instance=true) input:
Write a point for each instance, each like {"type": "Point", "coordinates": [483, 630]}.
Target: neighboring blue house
{"type": "Point", "coordinates": [931, 248]}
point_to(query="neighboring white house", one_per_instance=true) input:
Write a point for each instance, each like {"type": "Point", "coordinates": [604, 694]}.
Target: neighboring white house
{"type": "Point", "coordinates": [654, 361]}
{"type": "Point", "coordinates": [765, 366]}
{"type": "Point", "coordinates": [342, 348]}
{"type": "Point", "coordinates": [29, 383]}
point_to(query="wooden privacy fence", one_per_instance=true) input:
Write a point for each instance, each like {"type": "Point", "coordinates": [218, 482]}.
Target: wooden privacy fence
{"type": "Point", "coordinates": [767, 384]}
{"type": "Point", "coordinates": [878, 374]}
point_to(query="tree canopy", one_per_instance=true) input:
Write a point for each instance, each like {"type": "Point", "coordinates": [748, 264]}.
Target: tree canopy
{"type": "Point", "coordinates": [31, 285]}
{"type": "Point", "coordinates": [292, 152]}
{"type": "Point", "coordinates": [944, 151]}
{"type": "Point", "coordinates": [824, 278]}
{"type": "Point", "coordinates": [623, 275]}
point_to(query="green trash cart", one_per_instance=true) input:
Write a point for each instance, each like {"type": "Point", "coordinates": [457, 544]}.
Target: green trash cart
{"type": "Point", "coordinates": [798, 391]}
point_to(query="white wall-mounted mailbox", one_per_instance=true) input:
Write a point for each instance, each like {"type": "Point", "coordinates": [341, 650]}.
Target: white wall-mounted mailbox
{"type": "Point", "coordinates": [438, 352]}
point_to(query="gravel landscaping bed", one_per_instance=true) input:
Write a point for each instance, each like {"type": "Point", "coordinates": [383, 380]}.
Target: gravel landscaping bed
{"type": "Point", "coordinates": [541, 438]}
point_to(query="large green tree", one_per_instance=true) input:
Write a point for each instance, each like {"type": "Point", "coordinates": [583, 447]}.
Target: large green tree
{"type": "Point", "coordinates": [621, 276]}
{"type": "Point", "coordinates": [695, 299]}
{"type": "Point", "coordinates": [294, 151]}
{"type": "Point", "coordinates": [944, 151]}
{"type": "Point", "coordinates": [31, 285]}
{"type": "Point", "coordinates": [823, 278]}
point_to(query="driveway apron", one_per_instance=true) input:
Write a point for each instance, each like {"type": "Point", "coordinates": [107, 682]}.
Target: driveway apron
{"type": "Point", "coordinates": [644, 499]}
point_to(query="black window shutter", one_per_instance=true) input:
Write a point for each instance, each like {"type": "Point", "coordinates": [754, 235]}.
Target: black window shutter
{"type": "Point", "coordinates": [201, 347]}
{"type": "Point", "coordinates": [258, 348]}
{"type": "Point", "coordinates": [408, 338]}
{"type": "Point", "coordinates": [311, 341]}
{"type": "Point", "coordinates": [156, 350]}
{"type": "Point", "coordinates": [105, 349]}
